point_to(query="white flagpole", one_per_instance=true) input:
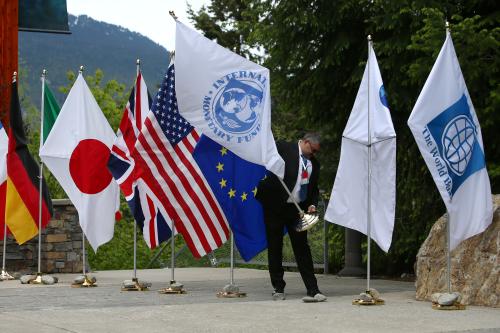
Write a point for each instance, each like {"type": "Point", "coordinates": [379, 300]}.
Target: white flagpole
{"type": "Point", "coordinates": [369, 212]}
{"type": "Point", "coordinates": [83, 253]}
{"type": "Point", "coordinates": [172, 251]}
{"type": "Point", "coordinates": [86, 282]}
{"type": "Point", "coordinates": [4, 275]}
{"type": "Point", "coordinates": [40, 184]}
{"type": "Point", "coordinates": [231, 274]}
{"type": "Point", "coordinates": [448, 224]}
{"type": "Point", "coordinates": [138, 69]}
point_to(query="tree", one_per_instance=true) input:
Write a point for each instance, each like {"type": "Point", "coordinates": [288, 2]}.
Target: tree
{"type": "Point", "coordinates": [316, 51]}
{"type": "Point", "coordinates": [228, 22]}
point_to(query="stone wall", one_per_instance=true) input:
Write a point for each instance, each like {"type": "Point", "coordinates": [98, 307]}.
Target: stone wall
{"type": "Point", "coordinates": [61, 245]}
{"type": "Point", "coordinates": [475, 264]}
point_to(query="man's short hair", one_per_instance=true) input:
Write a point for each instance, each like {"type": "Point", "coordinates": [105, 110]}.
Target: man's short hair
{"type": "Point", "coordinates": [312, 137]}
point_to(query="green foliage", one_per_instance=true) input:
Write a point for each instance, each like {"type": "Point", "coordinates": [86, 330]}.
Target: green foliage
{"type": "Point", "coordinates": [110, 95]}
{"type": "Point", "coordinates": [118, 253]}
{"type": "Point", "coordinates": [229, 22]}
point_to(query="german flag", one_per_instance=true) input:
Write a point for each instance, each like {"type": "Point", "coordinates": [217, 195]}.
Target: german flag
{"type": "Point", "coordinates": [22, 197]}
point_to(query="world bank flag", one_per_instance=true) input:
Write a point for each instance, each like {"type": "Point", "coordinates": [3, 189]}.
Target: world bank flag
{"type": "Point", "coordinates": [234, 184]}
{"type": "Point", "coordinates": [447, 132]}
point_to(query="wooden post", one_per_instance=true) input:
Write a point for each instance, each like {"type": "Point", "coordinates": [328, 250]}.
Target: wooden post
{"type": "Point", "coordinates": [8, 54]}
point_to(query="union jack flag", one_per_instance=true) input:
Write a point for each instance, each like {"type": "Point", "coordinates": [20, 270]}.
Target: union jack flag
{"type": "Point", "coordinates": [144, 207]}
{"type": "Point", "coordinates": [164, 162]}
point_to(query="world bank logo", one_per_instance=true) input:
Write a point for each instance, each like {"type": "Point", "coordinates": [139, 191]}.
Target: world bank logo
{"type": "Point", "coordinates": [458, 143]}
{"type": "Point", "coordinates": [233, 107]}
{"type": "Point", "coordinates": [455, 135]}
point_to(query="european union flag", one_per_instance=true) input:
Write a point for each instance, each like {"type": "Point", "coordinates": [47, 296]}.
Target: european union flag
{"type": "Point", "coordinates": [234, 184]}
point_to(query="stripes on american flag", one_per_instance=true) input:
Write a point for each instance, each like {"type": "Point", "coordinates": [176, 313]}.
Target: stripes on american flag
{"type": "Point", "coordinates": [165, 164]}
{"type": "Point", "coordinates": [142, 200]}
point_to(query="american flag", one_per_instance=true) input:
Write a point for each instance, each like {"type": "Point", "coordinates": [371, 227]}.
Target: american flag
{"type": "Point", "coordinates": [145, 209]}
{"type": "Point", "coordinates": [165, 163]}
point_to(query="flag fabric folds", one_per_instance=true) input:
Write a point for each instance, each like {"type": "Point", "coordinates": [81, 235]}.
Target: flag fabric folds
{"type": "Point", "coordinates": [369, 124]}
{"type": "Point", "coordinates": [22, 194]}
{"type": "Point", "coordinates": [226, 97]}
{"type": "Point", "coordinates": [446, 129]}
{"type": "Point", "coordinates": [51, 110]}
{"type": "Point", "coordinates": [166, 166]}
{"type": "Point", "coordinates": [233, 181]}
{"type": "Point", "coordinates": [4, 146]}
{"type": "Point", "coordinates": [122, 164]}
{"type": "Point", "coordinates": [76, 152]}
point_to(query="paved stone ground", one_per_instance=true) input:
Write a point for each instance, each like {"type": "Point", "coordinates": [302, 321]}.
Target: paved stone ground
{"type": "Point", "coordinates": [60, 308]}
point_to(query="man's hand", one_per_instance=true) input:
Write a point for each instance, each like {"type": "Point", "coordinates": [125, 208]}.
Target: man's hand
{"type": "Point", "coordinates": [311, 209]}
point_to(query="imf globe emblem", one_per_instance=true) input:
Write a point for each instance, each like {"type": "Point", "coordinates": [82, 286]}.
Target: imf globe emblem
{"type": "Point", "coordinates": [238, 105]}
{"type": "Point", "coordinates": [458, 143]}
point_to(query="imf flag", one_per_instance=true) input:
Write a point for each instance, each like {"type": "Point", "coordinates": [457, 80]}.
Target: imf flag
{"type": "Point", "coordinates": [226, 97]}
{"type": "Point", "coordinates": [447, 132]}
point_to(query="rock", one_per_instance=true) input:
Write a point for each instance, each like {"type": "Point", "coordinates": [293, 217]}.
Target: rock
{"type": "Point", "coordinates": [365, 297]}
{"type": "Point", "coordinates": [374, 293]}
{"type": "Point", "coordinates": [475, 269]}
{"type": "Point", "coordinates": [447, 299]}
{"type": "Point", "coordinates": [128, 284]}
{"type": "Point", "coordinates": [176, 286]}
{"type": "Point", "coordinates": [231, 288]}
{"type": "Point", "coordinates": [435, 297]}
{"type": "Point", "coordinates": [56, 279]}
{"type": "Point", "coordinates": [16, 275]}
{"type": "Point", "coordinates": [47, 279]}
{"type": "Point", "coordinates": [79, 279]}
{"type": "Point", "coordinates": [25, 279]}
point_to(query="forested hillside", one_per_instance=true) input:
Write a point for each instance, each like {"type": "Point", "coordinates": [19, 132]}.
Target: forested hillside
{"type": "Point", "coordinates": [95, 45]}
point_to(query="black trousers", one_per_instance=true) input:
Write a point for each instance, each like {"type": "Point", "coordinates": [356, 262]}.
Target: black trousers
{"type": "Point", "coordinates": [275, 224]}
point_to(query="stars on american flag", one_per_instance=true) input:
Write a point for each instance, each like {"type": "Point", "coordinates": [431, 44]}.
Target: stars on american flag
{"type": "Point", "coordinates": [174, 126]}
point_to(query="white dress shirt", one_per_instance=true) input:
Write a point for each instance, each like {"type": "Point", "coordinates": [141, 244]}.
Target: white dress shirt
{"type": "Point", "coordinates": [302, 166]}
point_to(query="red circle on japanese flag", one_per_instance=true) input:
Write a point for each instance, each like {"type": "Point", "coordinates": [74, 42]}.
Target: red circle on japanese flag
{"type": "Point", "coordinates": [88, 166]}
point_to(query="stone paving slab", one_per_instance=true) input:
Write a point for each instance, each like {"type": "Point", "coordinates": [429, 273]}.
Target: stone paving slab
{"type": "Point", "coordinates": [60, 308]}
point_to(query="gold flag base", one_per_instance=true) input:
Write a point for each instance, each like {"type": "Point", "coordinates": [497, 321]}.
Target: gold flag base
{"type": "Point", "coordinates": [228, 294]}
{"type": "Point", "coordinates": [175, 288]}
{"type": "Point", "coordinates": [455, 306]}
{"type": "Point", "coordinates": [231, 291]}
{"type": "Point", "coordinates": [37, 280]}
{"type": "Point", "coordinates": [369, 297]}
{"type": "Point", "coordinates": [87, 283]}
{"type": "Point", "coordinates": [5, 276]}
{"type": "Point", "coordinates": [136, 286]}
{"type": "Point", "coordinates": [358, 301]}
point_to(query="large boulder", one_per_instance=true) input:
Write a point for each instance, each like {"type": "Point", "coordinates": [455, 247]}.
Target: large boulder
{"type": "Point", "coordinates": [475, 264]}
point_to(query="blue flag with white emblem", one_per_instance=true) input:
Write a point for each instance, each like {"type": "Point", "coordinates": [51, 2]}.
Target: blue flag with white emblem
{"type": "Point", "coordinates": [446, 129]}
{"type": "Point", "coordinates": [234, 184]}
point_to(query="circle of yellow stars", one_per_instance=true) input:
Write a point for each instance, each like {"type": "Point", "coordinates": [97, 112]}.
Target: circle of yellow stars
{"type": "Point", "coordinates": [223, 182]}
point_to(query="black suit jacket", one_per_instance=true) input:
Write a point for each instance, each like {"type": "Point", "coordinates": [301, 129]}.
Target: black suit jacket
{"type": "Point", "coordinates": [271, 193]}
